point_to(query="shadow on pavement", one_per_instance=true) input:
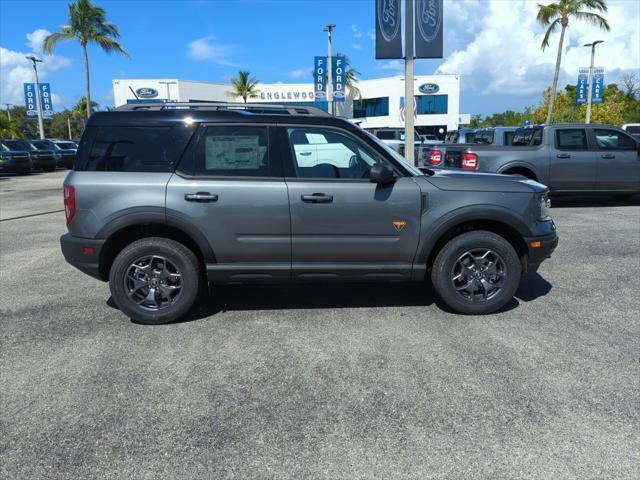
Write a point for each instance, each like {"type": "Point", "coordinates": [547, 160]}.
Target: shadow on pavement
{"type": "Point", "coordinates": [595, 201]}
{"type": "Point", "coordinates": [314, 296]}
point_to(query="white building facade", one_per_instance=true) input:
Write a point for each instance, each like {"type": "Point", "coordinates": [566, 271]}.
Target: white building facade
{"type": "Point", "coordinates": [380, 105]}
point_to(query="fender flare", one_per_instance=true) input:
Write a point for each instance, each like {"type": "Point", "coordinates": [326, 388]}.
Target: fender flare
{"type": "Point", "coordinates": [462, 215]}
{"type": "Point", "coordinates": [520, 164]}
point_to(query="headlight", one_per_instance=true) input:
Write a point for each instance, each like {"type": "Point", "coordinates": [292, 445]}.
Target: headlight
{"type": "Point", "coordinates": [545, 206]}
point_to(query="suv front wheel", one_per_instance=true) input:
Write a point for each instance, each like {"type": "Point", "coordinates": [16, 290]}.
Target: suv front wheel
{"type": "Point", "coordinates": [155, 280]}
{"type": "Point", "coordinates": [476, 273]}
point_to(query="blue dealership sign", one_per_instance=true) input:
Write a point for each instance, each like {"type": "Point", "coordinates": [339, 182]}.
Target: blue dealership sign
{"type": "Point", "coordinates": [339, 79]}
{"type": "Point", "coordinates": [597, 85]}
{"type": "Point", "coordinates": [45, 100]}
{"type": "Point", "coordinates": [320, 78]}
{"type": "Point", "coordinates": [582, 88]}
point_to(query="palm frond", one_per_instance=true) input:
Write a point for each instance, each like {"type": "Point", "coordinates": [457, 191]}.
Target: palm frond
{"type": "Point", "coordinates": [548, 12]}
{"type": "Point", "coordinates": [594, 19]}
{"type": "Point", "coordinates": [110, 45]}
{"type": "Point", "coordinates": [52, 40]}
{"type": "Point", "coordinates": [552, 28]}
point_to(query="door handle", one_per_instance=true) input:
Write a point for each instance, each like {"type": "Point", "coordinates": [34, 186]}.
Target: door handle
{"type": "Point", "coordinates": [608, 156]}
{"type": "Point", "coordinates": [317, 198]}
{"type": "Point", "coordinates": [306, 154]}
{"type": "Point", "coordinates": [201, 197]}
{"type": "Point", "coordinates": [563, 155]}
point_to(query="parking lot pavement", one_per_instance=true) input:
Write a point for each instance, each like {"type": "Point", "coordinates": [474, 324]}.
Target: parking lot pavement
{"type": "Point", "coordinates": [372, 381]}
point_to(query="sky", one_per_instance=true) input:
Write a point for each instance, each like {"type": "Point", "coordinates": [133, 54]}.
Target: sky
{"type": "Point", "coordinates": [493, 44]}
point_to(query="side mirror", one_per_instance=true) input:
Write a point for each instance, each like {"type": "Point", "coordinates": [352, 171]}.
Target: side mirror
{"type": "Point", "coordinates": [381, 173]}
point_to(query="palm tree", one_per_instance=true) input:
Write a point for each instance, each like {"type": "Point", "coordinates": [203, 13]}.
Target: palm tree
{"type": "Point", "coordinates": [558, 14]}
{"type": "Point", "coordinates": [9, 128]}
{"type": "Point", "coordinates": [87, 24]}
{"type": "Point", "coordinates": [244, 85]}
{"type": "Point", "coordinates": [351, 77]}
{"type": "Point", "coordinates": [80, 108]}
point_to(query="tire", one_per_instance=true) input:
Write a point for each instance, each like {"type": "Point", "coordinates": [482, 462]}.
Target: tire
{"type": "Point", "coordinates": [492, 289]}
{"type": "Point", "coordinates": [131, 284]}
{"type": "Point", "coordinates": [622, 196]}
{"type": "Point", "coordinates": [49, 169]}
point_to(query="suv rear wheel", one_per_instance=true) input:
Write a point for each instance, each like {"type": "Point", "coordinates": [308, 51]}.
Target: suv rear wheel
{"type": "Point", "coordinates": [476, 273]}
{"type": "Point", "coordinates": [155, 280]}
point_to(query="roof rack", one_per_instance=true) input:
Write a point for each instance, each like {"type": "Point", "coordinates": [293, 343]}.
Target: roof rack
{"type": "Point", "coordinates": [253, 108]}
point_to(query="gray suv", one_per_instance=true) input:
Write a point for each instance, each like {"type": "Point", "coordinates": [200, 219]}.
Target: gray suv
{"type": "Point", "coordinates": [165, 199]}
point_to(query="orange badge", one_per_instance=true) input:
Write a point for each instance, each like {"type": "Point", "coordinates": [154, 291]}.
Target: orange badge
{"type": "Point", "coordinates": [399, 224]}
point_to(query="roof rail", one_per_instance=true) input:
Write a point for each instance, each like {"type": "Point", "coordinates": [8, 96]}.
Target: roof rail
{"type": "Point", "coordinates": [254, 108]}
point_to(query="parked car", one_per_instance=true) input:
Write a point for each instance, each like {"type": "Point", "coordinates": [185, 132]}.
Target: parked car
{"type": "Point", "coordinates": [162, 201]}
{"type": "Point", "coordinates": [41, 159]}
{"type": "Point", "coordinates": [569, 158]}
{"type": "Point", "coordinates": [633, 129]}
{"type": "Point", "coordinates": [66, 150]}
{"type": "Point", "coordinates": [462, 135]}
{"type": "Point", "coordinates": [14, 161]}
{"type": "Point", "coordinates": [432, 140]}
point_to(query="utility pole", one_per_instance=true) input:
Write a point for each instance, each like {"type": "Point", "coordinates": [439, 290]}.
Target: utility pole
{"type": "Point", "coordinates": [168, 92]}
{"type": "Point", "coordinates": [9, 105]}
{"type": "Point", "coordinates": [329, 28]}
{"type": "Point", "coordinates": [409, 151]}
{"type": "Point", "coordinates": [35, 60]}
{"type": "Point", "coordinates": [590, 87]}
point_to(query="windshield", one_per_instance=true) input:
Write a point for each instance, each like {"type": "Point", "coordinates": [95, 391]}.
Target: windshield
{"type": "Point", "coordinates": [68, 145]}
{"type": "Point", "coordinates": [17, 145]}
{"type": "Point", "coordinates": [399, 158]}
{"type": "Point", "coordinates": [44, 145]}
{"type": "Point", "coordinates": [3, 148]}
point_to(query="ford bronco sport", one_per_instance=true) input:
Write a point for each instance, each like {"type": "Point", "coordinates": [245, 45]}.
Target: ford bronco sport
{"type": "Point", "coordinates": [165, 199]}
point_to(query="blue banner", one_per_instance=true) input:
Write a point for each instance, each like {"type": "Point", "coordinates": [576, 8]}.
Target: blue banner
{"type": "Point", "coordinates": [320, 78]}
{"type": "Point", "coordinates": [338, 72]}
{"type": "Point", "coordinates": [597, 85]}
{"type": "Point", "coordinates": [388, 29]}
{"type": "Point", "coordinates": [45, 100]}
{"type": "Point", "coordinates": [428, 28]}
{"type": "Point", "coordinates": [583, 86]}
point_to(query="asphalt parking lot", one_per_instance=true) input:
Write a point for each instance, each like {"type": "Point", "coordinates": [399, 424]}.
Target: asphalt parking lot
{"type": "Point", "coordinates": [332, 382]}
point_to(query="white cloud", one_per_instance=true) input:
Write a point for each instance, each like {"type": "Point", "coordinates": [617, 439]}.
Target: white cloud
{"type": "Point", "coordinates": [15, 69]}
{"type": "Point", "coordinates": [356, 46]}
{"type": "Point", "coordinates": [356, 31]}
{"type": "Point", "coordinates": [205, 49]}
{"type": "Point", "coordinates": [35, 39]}
{"type": "Point", "coordinates": [503, 56]}
{"type": "Point", "coordinates": [371, 34]}
{"type": "Point", "coordinates": [396, 67]}
{"type": "Point", "coordinates": [301, 72]}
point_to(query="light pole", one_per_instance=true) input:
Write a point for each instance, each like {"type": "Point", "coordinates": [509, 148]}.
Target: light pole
{"type": "Point", "coordinates": [69, 125]}
{"type": "Point", "coordinates": [167, 84]}
{"type": "Point", "coordinates": [589, 86]}
{"type": "Point", "coordinates": [409, 153]}
{"type": "Point", "coordinates": [329, 28]}
{"type": "Point", "coordinates": [35, 60]}
{"type": "Point", "coordinates": [9, 105]}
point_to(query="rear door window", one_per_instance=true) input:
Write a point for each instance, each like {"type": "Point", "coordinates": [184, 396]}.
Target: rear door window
{"type": "Point", "coordinates": [137, 149]}
{"type": "Point", "coordinates": [571, 139]}
{"type": "Point", "coordinates": [613, 140]}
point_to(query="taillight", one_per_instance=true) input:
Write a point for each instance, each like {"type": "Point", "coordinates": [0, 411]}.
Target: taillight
{"type": "Point", "coordinates": [469, 160]}
{"type": "Point", "coordinates": [69, 202]}
{"type": "Point", "coordinates": [435, 158]}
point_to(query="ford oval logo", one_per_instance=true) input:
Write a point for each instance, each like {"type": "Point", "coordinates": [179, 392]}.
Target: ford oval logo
{"type": "Point", "coordinates": [147, 92]}
{"type": "Point", "coordinates": [429, 15]}
{"type": "Point", "coordinates": [429, 88]}
{"type": "Point", "coordinates": [389, 18]}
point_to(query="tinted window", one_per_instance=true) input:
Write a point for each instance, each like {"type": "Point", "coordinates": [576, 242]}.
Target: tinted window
{"type": "Point", "coordinates": [573, 139]}
{"type": "Point", "coordinates": [432, 104]}
{"type": "Point", "coordinates": [386, 134]}
{"type": "Point", "coordinates": [233, 151]}
{"type": "Point", "coordinates": [17, 145]}
{"type": "Point", "coordinates": [66, 145]}
{"type": "Point", "coordinates": [44, 145]}
{"type": "Point", "coordinates": [613, 140]}
{"type": "Point", "coordinates": [327, 153]}
{"type": "Point", "coordinates": [137, 149]}
{"type": "Point", "coordinates": [371, 107]}
{"type": "Point", "coordinates": [484, 137]}
{"type": "Point", "coordinates": [508, 138]}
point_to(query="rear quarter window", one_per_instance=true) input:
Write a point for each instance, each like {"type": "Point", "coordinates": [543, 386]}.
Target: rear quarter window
{"type": "Point", "coordinates": [135, 149]}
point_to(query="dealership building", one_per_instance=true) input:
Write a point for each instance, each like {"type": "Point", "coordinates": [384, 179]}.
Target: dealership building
{"type": "Point", "coordinates": [380, 104]}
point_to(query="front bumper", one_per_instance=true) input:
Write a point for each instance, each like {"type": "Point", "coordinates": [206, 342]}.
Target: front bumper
{"type": "Point", "coordinates": [82, 253]}
{"type": "Point", "coordinates": [540, 247]}
{"type": "Point", "coordinates": [15, 166]}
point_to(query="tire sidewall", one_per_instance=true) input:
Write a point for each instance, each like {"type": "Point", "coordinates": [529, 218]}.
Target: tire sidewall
{"type": "Point", "coordinates": [441, 273]}
{"type": "Point", "coordinates": [183, 259]}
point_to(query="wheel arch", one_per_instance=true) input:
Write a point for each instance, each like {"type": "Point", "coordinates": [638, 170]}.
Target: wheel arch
{"type": "Point", "coordinates": [522, 168]}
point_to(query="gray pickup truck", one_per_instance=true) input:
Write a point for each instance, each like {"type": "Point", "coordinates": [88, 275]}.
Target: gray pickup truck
{"type": "Point", "coordinates": [568, 158]}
